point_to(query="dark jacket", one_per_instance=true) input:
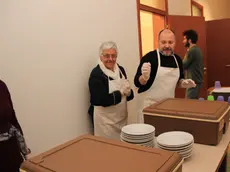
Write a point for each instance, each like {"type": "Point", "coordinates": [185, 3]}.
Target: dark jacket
{"type": "Point", "coordinates": [99, 89]}
{"type": "Point", "coordinates": [10, 157]}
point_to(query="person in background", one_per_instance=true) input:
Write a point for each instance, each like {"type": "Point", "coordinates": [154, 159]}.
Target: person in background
{"type": "Point", "coordinates": [109, 93]}
{"type": "Point", "coordinates": [12, 143]}
{"type": "Point", "coordinates": [159, 73]}
{"type": "Point", "coordinates": [193, 63]}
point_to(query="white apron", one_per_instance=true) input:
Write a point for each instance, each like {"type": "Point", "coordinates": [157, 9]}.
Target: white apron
{"type": "Point", "coordinates": [163, 87]}
{"type": "Point", "coordinates": [108, 121]}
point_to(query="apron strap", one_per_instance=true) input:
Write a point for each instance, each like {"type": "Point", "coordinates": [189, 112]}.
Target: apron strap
{"type": "Point", "coordinates": [159, 59]}
{"type": "Point", "coordinates": [176, 61]}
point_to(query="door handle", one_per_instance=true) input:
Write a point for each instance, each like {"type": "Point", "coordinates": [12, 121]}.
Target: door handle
{"type": "Point", "coordinates": [228, 65]}
{"type": "Point", "coordinates": [205, 68]}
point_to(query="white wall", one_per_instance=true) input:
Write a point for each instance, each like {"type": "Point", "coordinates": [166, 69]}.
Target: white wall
{"type": "Point", "coordinates": [159, 4]}
{"type": "Point", "coordinates": [179, 7]}
{"type": "Point", "coordinates": [215, 9]}
{"type": "Point", "coordinates": [47, 50]}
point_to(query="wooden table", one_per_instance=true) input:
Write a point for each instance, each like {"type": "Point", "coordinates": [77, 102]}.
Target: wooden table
{"type": "Point", "coordinates": [209, 158]}
{"type": "Point", "coordinates": [210, 89]}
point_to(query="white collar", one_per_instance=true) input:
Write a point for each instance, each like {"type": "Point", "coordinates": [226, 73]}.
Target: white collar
{"type": "Point", "coordinates": [108, 72]}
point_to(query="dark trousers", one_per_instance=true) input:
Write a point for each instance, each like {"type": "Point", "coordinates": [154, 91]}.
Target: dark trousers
{"type": "Point", "coordinates": [193, 93]}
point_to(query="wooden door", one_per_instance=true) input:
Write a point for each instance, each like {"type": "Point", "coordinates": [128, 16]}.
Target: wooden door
{"type": "Point", "coordinates": [218, 45]}
{"type": "Point", "coordinates": [179, 24]}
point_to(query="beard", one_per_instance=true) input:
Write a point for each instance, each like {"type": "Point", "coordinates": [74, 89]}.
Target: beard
{"type": "Point", "coordinates": [187, 44]}
{"type": "Point", "coordinates": [166, 49]}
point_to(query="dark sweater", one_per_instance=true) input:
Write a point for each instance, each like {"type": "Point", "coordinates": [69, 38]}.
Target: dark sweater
{"type": "Point", "coordinates": [194, 65]}
{"type": "Point", "coordinates": [7, 114]}
{"type": "Point", "coordinates": [10, 156]}
{"type": "Point", "coordinates": [166, 61]}
{"type": "Point", "coordinates": [99, 89]}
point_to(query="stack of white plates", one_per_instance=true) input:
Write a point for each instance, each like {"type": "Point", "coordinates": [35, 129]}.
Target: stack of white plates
{"type": "Point", "coordinates": [177, 141]}
{"type": "Point", "coordinates": [139, 134]}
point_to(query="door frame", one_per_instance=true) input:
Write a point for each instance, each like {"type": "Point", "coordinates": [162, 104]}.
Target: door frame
{"type": "Point", "coordinates": [199, 6]}
{"type": "Point", "coordinates": [159, 12]}
{"type": "Point", "coordinates": [152, 10]}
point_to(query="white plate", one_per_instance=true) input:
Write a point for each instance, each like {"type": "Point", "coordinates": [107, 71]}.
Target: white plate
{"type": "Point", "coordinates": [136, 141]}
{"type": "Point", "coordinates": [148, 144]}
{"type": "Point", "coordinates": [140, 135]}
{"type": "Point", "coordinates": [137, 136]}
{"type": "Point", "coordinates": [185, 153]}
{"type": "Point", "coordinates": [187, 156]}
{"type": "Point", "coordinates": [175, 139]}
{"type": "Point", "coordinates": [176, 148]}
{"type": "Point", "coordinates": [138, 129]}
{"type": "Point", "coordinates": [151, 136]}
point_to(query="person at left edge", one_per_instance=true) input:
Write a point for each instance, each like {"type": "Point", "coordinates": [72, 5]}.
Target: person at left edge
{"type": "Point", "coordinates": [109, 93]}
{"type": "Point", "coordinates": [13, 148]}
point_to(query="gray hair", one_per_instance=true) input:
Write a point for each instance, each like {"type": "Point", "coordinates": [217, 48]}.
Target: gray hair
{"type": "Point", "coordinates": [106, 46]}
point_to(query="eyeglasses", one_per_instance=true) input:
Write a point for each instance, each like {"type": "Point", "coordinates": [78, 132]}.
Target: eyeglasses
{"type": "Point", "coordinates": [113, 56]}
